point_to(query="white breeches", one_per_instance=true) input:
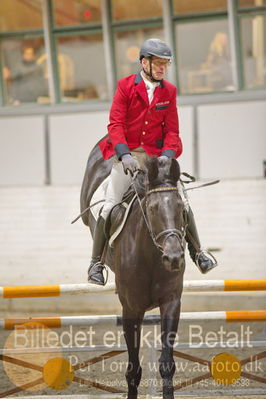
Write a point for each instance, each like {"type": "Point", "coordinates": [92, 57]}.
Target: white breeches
{"type": "Point", "coordinates": [120, 182]}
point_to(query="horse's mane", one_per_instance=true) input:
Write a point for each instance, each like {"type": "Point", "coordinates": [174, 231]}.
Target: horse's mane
{"type": "Point", "coordinates": [157, 172]}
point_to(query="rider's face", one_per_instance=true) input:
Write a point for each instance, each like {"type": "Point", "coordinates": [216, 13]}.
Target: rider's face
{"type": "Point", "coordinates": [159, 67]}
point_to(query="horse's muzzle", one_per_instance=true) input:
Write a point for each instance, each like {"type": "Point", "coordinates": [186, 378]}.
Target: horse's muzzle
{"type": "Point", "coordinates": [173, 262]}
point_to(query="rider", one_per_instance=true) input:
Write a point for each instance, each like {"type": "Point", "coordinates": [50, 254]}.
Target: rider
{"type": "Point", "coordinates": [143, 123]}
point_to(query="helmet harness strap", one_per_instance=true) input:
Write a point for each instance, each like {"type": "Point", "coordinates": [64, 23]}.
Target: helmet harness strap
{"type": "Point", "coordinates": [150, 72]}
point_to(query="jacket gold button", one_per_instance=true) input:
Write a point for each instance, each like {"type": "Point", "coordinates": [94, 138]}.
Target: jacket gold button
{"type": "Point", "coordinates": [146, 122]}
{"type": "Point", "coordinates": [142, 143]}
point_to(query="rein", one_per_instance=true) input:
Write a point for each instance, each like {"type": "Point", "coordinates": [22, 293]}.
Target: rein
{"type": "Point", "coordinates": [168, 232]}
{"type": "Point", "coordinates": [192, 179]}
{"type": "Point", "coordinates": [85, 210]}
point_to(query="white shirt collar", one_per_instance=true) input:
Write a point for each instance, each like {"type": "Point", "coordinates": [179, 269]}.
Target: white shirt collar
{"type": "Point", "coordinates": [151, 85]}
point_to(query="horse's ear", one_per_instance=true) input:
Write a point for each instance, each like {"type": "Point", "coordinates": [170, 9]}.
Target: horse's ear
{"type": "Point", "coordinates": [153, 169]}
{"type": "Point", "coordinates": [174, 170]}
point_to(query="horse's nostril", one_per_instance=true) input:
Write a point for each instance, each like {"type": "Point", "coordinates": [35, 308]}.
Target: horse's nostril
{"type": "Point", "coordinates": [173, 262]}
{"type": "Point", "coordinates": [166, 262]}
{"type": "Point", "coordinates": [165, 258]}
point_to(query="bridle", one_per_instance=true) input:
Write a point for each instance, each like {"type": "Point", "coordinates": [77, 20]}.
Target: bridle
{"type": "Point", "coordinates": [180, 235]}
{"type": "Point", "coordinates": [167, 232]}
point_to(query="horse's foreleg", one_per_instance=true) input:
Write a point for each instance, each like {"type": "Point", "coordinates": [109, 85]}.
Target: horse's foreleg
{"type": "Point", "coordinates": [132, 329]}
{"type": "Point", "coordinates": [170, 313]}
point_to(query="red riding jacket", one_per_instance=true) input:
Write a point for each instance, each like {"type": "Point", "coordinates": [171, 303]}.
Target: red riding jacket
{"type": "Point", "coordinates": [134, 122]}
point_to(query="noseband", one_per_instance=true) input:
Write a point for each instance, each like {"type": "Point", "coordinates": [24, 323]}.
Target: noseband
{"type": "Point", "coordinates": [168, 232]}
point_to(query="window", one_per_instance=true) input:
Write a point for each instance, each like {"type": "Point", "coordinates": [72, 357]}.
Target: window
{"type": "Point", "coordinates": [127, 49]}
{"type": "Point", "coordinates": [196, 6]}
{"type": "Point", "coordinates": [76, 12]}
{"type": "Point", "coordinates": [202, 51]}
{"type": "Point", "coordinates": [81, 67]}
{"type": "Point", "coordinates": [137, 9]}
{"type": "Point", "coordinates": [253, 34]}
{"type": "Point", "coordinates": [251, 3]}
{"type": "Point", "coordinates": [80, 53]}
{"type": "Point", "coordinates": [24, 78]}
{"type": "Point", "coordinates": [20, 15]}
{"type": "Point", "coordinates": [203, 57]}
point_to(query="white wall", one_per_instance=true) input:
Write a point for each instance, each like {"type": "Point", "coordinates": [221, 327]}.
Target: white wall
{"type": "Point", "coordinates": [231, 143]}
{"type": "Point", "coordinates": [71, 139]}
{"type": "Point", "coordinates": [186, 123]}
{"type": "Point", "coordinates": [232, 139]}
{"type": "Point", "coordinates": [22, 151]}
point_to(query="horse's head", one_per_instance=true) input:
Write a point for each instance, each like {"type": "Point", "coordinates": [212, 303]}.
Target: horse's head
{"type": "Point", "coordinates": [164, 208]}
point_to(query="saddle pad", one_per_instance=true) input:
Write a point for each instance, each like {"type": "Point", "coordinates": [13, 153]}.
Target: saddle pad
{"type": "Point", "coordinates": [121, 225]}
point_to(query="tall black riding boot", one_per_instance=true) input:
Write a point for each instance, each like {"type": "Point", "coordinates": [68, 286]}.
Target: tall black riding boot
{"type": "Point", "coordinates": [203, 259]}
{"type": "Point", "coordinates": [95, 272]}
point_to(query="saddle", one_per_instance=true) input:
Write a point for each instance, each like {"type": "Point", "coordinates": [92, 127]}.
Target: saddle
{"type": "Point", "coordinates": [118, 215]}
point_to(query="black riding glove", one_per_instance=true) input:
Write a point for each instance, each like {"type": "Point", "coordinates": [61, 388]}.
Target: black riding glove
{"type": "Point", "coordinates": [129, 164]}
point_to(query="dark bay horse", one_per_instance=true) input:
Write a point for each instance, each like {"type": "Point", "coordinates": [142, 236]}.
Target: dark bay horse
{"type": "Point", "coordinates": [147, 259]}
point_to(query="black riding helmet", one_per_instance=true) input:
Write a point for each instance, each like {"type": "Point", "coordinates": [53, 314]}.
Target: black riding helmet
{"type": "Point", "coordinates": [156, 48]}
